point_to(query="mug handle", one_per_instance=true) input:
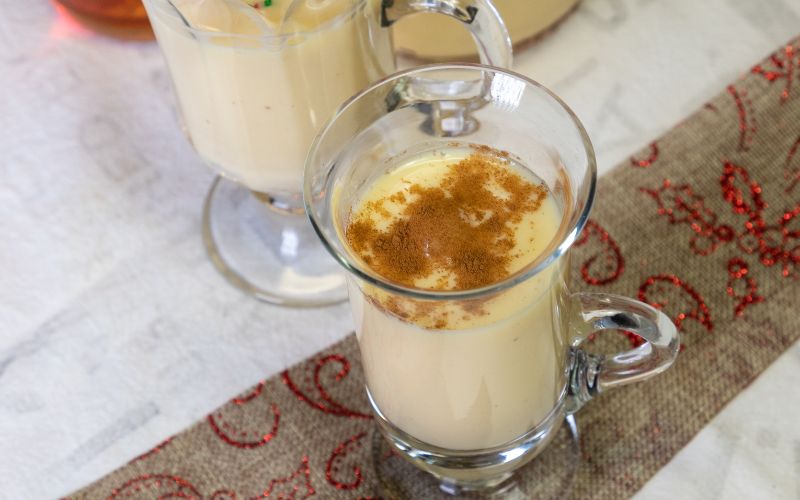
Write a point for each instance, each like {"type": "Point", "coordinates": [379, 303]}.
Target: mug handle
{"type": "Point", "coordinates": [591, 374]}
{"type": "Point", "coordinates": [479, 16]}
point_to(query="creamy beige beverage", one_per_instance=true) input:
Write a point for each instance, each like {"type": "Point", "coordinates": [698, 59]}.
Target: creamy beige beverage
{"type": "Point", "coordinates": [459, 375]}
{"type": "Point", "coordinates": [438, 37]}
{"type": "Point", "coordinates": [252, 100]}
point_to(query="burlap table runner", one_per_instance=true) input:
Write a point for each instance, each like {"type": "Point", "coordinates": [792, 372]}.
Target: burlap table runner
{"type": "Point", "coordinates": [702, 223]}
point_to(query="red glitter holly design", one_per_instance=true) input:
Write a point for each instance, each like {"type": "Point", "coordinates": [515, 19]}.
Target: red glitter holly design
{"type": "Point", "coordinates": [311, 387]}
{"type": "Point", "coordinates": [789, 255]}
{"type": "Point", "coordinates": [681, 205]}
{"type": "Point", "coordinates": [735, 195]}
{"type": "Point", "coordinates": [148, 486]}
{"type": "Point", "coordinates": [668, 292]}
{"type": "Point", "coordinates": [649, 160]}
{"type": "Point", "coordinates": [249, 421]}
{"type": "Point", "coordinates": [782, 66]}
{"type": "Point", "coordinates": [774, 244]}
{"type": "Point", "coordinates": [340, 460]}
{"type": "Point", "coordinates": [607, 264]}
{"type": "Point", "coordinates": [295, 485]}
{"type": "Point", "coordinates": [741, 287]}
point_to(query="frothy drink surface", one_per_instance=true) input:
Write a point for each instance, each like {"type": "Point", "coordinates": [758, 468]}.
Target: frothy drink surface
{"type": "Point", "coordinates": [468, 374]}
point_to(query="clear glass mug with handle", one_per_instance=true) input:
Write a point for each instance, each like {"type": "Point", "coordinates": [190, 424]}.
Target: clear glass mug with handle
{"type": "Point", "coordinates": [254, 84]}
{"type": "Point", "coordinates": [471, 384]}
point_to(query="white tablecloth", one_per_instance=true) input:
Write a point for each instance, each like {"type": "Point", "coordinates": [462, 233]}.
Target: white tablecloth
{"type": "Point", "coordinates": [115, 331]}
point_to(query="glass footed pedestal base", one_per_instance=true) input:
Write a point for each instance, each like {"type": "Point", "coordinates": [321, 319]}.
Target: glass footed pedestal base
{"type": "Point", "coordinates": [268, 249]}
{"type": "Point", "coordinates": [550, 475]}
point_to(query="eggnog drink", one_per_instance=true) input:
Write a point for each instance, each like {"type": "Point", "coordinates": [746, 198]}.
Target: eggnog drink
{"type": "Point", "coordinates": [254, 91]}
{"type": "Point", "coordinates": [470, 374]}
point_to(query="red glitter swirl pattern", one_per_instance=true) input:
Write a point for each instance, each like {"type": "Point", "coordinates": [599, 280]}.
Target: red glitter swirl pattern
{"type": "Point", "coordinates": [649, 160]}
{"type": "Point", "coordinates": [607, 264]}
{"type": "Point", "coordinates": [774, 244]}
{"type": "Point", "coordinates": [148, 486]}
{"type": "Point", "coordinates": [156, 449]}
{"type": "Point", "coordinates": [677, 298]}
{"type": "Point", "coordinates": [741, 286]}
{"type": "Point", "coordinates": [223, 495]}
{"type": "Point", "coordinates": [681, 205]}
{"type": "Point", "coordinates": [313, 376]}
{"type": "Point", "coordinates": [243, 421]}
{"type": "Point", "coordinates": [789, 255]}
{"type": "Point", "coordinates": [295, 485]}
{"type": "Point", "coordinates": [781, 66]}
{"type": "Point", "coordinates": [747, 122]}
{"type": "Point", "coordinates": [339, 458]}
{"type": "Point", "coordinates": [734, 195]}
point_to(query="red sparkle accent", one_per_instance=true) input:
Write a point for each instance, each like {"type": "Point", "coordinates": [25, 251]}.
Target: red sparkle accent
{"type": "Point", "coordinates": [156, 449]}
{"type": "Point", "coordinates": [256, 392]}
{"type": "Point", "coordinates": [156, 486]}
{"type": "Point", "coordinates": [633, 338]}
{"type": "Point", "coordinates": [610, 254]}
{"type": "Point", "coordinates": [646, 162]}
{"type": "Point", "coordinates": [289, 486]}
{"type": "Point", "coordinates": [790, 257]}
{"type": "Point", "coordinates": [747, 124]}
{"type": "Point", "coordinates": [327, 404]}
{"type": "Point", "coordinates": [223, 495]}
{"type": "Point", "coordinates": [793, 176]}
{"type": "Point", "coordinates": [246, 410]}
{"type": "Point", "coordinates": [771, 242]}
{"type": "Point", "coordinates": [697, 309]}
{"type": "Point", "coordinates": [786, 219]}
{"type": "Point", "coordinates": [780, 66]}
{"type": "Point", "coordinates": [737, 269]}
{"type": "Point", "coordinates": [333, 466]}
{"type": "Point", "coordinates": [735, 196]}
{"type": "Point", "coordinates": [681, 205]}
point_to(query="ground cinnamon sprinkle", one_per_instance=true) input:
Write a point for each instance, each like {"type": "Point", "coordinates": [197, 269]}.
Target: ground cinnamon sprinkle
{"type": "Point", "coordinates": [461, 230]}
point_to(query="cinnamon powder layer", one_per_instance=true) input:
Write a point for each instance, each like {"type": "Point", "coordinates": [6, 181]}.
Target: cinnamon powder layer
{"type": "Point", "coordinates": [460, 232]}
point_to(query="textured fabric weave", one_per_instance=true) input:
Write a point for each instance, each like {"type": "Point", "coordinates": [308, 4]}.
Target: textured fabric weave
{"type": "Point", "coordinates": [704, 223]}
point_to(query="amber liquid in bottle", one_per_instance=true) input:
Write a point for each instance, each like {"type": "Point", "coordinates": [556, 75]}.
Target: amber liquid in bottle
{"type": "Point", "coordinates": [119, 18]}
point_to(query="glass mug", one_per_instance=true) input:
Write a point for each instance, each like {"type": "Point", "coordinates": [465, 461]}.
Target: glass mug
{"type": "Point", "coordinates": [472, 403]}
{"type": "Point", "coordinates": [254, 84]}
{"type": "Point", "coordinates": [437, 38]}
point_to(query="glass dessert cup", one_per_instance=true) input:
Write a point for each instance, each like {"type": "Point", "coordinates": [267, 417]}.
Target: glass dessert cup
{"type": "Point", "coordinates": [253, 91]}
{"type": "Point", "coordinates": [470, 385]}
